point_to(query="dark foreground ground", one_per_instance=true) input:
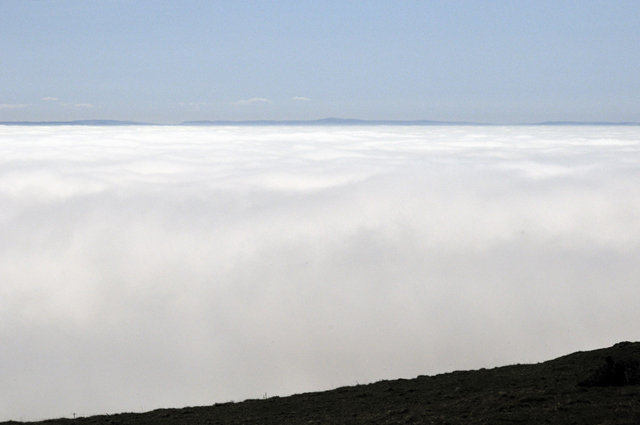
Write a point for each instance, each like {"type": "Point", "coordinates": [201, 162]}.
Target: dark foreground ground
{"type": "Point", "coordinates": [594, 387]}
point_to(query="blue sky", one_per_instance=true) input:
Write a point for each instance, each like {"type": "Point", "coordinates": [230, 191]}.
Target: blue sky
{"type": "Point", "coordinates": [170, 61]}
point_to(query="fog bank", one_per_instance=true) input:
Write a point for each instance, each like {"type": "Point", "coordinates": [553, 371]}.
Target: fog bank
{"type": "Point", "coordinates": [146, 267]}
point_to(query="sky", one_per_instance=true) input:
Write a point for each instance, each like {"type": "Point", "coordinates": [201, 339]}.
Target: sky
{"type": "Point", "coordinates": [170, 61]}
{"type": "Point", "coordinates": [149, 267]}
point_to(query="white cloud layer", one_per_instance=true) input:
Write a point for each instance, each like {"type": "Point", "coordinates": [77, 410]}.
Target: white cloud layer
{"type": "Point", "coordinates": [147, 267]}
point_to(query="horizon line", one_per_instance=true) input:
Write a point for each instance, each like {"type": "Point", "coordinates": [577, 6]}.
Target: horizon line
{"type": "Point", "coordinates": [322, 121]}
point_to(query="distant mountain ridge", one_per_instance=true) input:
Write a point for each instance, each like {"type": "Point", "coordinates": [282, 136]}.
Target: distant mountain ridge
{"type": "Point", "coordinates": [587, 123]}
{"type": "Point", "coordinates": [331, 121]}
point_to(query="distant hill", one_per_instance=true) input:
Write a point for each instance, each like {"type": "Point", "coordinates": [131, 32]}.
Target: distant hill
{"type": "Point", "coordinates": [592, 387]}
{"type": "Point", "coordinates": [329, 121]}
{"type": "Point", "coordinates": [587, 123]}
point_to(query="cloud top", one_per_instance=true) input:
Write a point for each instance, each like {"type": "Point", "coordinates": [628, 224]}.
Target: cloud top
{"type": "Point", "coordinates": [147, 267]}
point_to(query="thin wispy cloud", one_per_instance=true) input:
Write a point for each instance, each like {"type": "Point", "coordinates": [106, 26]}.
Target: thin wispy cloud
{"type": "Point", "coordinates": [13, 105]}
{"type": "Point", "coordinates": [50, 98]}
{"type": "Point", "coordinates": [84, 105]}
{"type": "Point", "coordinates": [252, 100]}
{"type": "Point", "coordinates": [300, 98]}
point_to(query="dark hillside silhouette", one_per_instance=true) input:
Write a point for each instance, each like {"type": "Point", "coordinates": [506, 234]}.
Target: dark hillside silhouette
{"type": "Point", "coordinates": [593, 387]}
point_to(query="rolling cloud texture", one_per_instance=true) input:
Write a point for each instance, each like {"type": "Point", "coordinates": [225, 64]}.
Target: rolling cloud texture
{"type": "Point", "coordinates": [147, 267]}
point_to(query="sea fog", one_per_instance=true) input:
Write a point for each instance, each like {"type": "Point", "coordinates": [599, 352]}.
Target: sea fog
{"type": "Point", "coordinates": [147, 267]}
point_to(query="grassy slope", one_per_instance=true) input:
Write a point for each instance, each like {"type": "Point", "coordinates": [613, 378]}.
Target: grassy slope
{"type": "Point", "coordinates": [548, 392]}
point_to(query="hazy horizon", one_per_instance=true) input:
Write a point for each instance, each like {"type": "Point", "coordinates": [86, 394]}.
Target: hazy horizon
{"type": "Point", "coordinates": [328, 121]}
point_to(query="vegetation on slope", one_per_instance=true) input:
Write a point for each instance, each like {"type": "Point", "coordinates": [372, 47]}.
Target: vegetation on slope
{"type": "Point", "coordinates": [595, 387]}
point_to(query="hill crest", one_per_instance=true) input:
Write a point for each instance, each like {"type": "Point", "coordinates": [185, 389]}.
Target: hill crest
{"type": "Point", "coordinates": [574, 388]}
